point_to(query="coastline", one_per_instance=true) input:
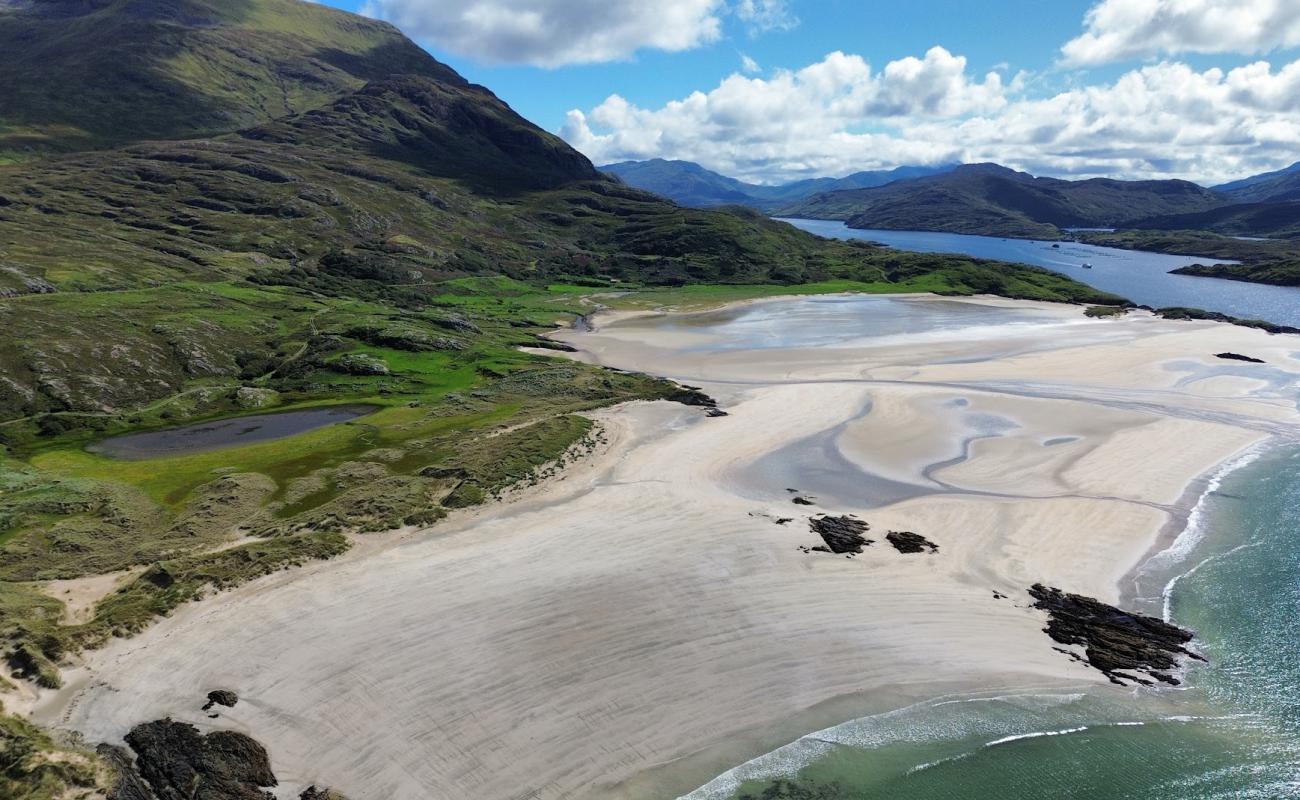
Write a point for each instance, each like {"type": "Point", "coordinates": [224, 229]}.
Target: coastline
{"type": "Point", "coordinates": [685, 519]}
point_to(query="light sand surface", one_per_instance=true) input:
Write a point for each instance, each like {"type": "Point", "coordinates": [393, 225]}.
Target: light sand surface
{"type": "Point", "coordinates": [643, 624]}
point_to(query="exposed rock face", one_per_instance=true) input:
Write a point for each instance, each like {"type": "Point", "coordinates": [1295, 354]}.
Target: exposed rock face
{"type": "Point", "coordinates": [908, 542]}
{"type": "Point", "coordinates": [221, 697]}
{"type": "Point", "coordinates": [127, 783]}
{"type": "Point", "coordinates": [1239, 357]}
{"type": "Point", "coordinates": [1114, 640]}
{"type": "Point", "coordinates": [692, 396]}
{"type": "Point", "coordinates": [179, 763]}
{"type": "Point", "coordinates": [841, 534]}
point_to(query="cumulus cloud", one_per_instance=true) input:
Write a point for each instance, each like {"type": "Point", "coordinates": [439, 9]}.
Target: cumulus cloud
{"type": "Point", "coordinates": [553, 33]}
{"type": "Point", "coordinates": [761, 16]}
{"type": "Point", "coordinates": [748, 65]}
{"type": "Point", "coordinates": [1118, 30]}
{"type": "Point", "coordinates": [838, 116]}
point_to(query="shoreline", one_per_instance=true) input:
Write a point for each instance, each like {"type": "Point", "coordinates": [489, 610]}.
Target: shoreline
{"type": "Point", "coordinates": [606, 562]}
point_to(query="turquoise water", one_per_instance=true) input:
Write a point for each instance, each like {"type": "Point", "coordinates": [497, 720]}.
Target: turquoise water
{"type": "Point", "coordinates": [1233, 732]}
{"type": "Point", "coordinates": [1139, 276]}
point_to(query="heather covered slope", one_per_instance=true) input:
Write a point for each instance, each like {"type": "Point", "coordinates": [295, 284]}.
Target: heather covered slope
{"type": "Point", "coordinates": [89, 73]}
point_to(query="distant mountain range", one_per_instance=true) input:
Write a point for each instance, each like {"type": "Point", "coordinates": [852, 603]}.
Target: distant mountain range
{"type": "Point", "coordinates": [690, 184]}
{"type": "Point", "coordinates": [1282, 185]}
{"type": "Point", "coordinates": [993, 200]}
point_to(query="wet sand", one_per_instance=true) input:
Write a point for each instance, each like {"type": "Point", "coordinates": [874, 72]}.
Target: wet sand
{"type": "Point", "coordinates": [643, 624]}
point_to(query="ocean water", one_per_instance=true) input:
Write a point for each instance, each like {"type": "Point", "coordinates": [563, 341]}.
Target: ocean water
{"type": "Point", "coordinates": [1139, 276]}
{"type": "Point", "coordinates": [1232, 732]}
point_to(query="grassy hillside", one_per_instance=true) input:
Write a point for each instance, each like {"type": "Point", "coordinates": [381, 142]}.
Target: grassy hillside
{"type": "Point", "coordinates": [995, 201]}
{"type": "Point", "coordinates": [90, 73]}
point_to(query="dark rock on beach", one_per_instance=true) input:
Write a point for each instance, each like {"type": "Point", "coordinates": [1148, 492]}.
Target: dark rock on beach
{"type": "Point", "coordinates": [312, 793]}
{"type": "Point", "coordinates": [841, 534]}
{"type": "Point", "coordinates": [127, 783]}
{"type": "Point", "coordinates": [908, 542]}
{"type": "Point", "coordinates": [801, 501]}
{"type": "Point", "coordinates": [1239, 357]}
{"type": "Point", "coordinates": [1116, 642]}
{"type": "Point", "coordinates": [692, 396]}
{"type": "Point", "coordinates": [180, 763]}
{"type": "Point", "coordinates": [221, 697]}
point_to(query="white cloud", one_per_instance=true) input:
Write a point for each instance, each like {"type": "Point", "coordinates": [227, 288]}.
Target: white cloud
{"type": "Point", "coordinates": [552, 33]}
{"type": "Point", "coordinates": [761, 16]}
{"type": "Point", "coordinates": [838, 115]}
{"type": "Point", "coordinates": [748, 65]}
{"type": "Point", "coordinates": [1118, 30]}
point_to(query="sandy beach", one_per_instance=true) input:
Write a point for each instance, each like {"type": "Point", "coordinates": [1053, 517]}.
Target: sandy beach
{"type": "Point", "coordinates": [644, 623]}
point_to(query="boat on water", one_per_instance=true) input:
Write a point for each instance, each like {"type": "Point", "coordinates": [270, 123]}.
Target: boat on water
{"type": "Point", "coordinates": [1087, 265]}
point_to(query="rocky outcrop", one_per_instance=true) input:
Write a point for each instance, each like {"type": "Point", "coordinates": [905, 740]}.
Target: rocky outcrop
{"type": "Point", "coordinates": [1116, 642]}
{"type": "Point", "coordinates": [1239, 357]}
{"type": "Point", "coordinates": [312, 793]}
{"type": "Point", "coordinates": [908, 542]}
{"type": "Point", "coordinates": [127, 783]}
{"type": "Point", "coordinates": [841, 534]}
{"type": "Point", "coordinates": [221, 697]}
{"type": "Point", "coordinates": [180, 763]}
{"type": "Point", "coordinates": [691, 396]}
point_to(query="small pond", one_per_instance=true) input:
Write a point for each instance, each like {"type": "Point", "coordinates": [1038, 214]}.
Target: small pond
{"type": "Point", "coordinates": [233, 432]}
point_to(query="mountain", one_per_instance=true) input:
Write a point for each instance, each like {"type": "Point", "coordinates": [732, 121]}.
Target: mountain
{"type": "Point", "coordinates": [690, 184]}
{"type": "Point", "coordinates": [683, 182]}
{"type": "Point", "coordinates": [993, 200]}
{"type": "Point", "coordinates": [1282, 185]}
{"type": "Point", "coordinates": [385, 192]}
{"type": "Point", "coordinates": [92, 73]}
{"type": "Point", "coordinates": [1274, 220]}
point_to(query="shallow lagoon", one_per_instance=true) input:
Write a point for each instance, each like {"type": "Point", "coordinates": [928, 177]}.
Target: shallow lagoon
{"type": "Point", "coordinates": [219, 434]}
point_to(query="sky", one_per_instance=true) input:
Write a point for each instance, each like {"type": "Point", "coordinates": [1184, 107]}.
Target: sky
{"type": "Point", "coordinates": [777, 90]}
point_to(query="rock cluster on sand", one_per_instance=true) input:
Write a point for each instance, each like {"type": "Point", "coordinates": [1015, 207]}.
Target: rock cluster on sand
{"type": "Point", "coordinates": [1114, 640]}
{"type": "Point", "coordinates": [177, 762]}
{"type": "Point", "coordinates": [841, 534]}
{"type": "Point", "coordinates": [693, 396]}
{"type": "Point", "coordinates": [173, 761]}
{"type": "Point", "coordinates": [908, 542]}
{"type": "Point", "coordinates": [221, 697]}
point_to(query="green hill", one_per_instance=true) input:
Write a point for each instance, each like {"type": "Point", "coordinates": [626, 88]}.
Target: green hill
{"type": "Point", "coordinates": [992, 200]}
{"type": "Point", "coordinates": [91, 73]}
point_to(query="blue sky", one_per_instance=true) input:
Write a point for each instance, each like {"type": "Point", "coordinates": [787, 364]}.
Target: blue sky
{"type": "Point", "coordinates": [1025, 35]}
{"type": "Point", "coordinates": [1190, 106]}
